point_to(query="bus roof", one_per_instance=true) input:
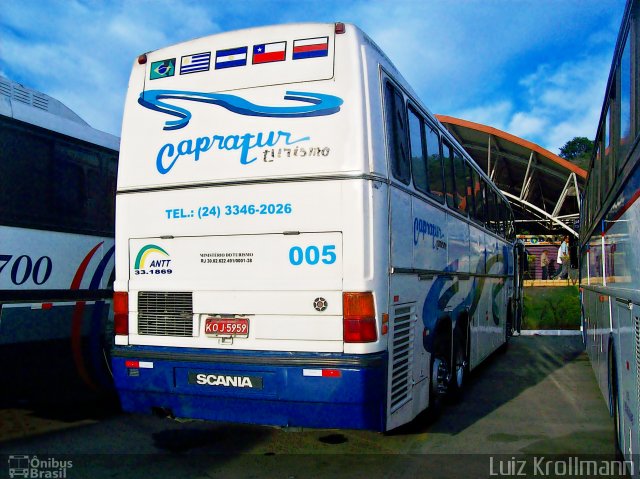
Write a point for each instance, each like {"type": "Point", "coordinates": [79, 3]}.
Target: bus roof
{"type": "Point", "coordinates": [39, 109]}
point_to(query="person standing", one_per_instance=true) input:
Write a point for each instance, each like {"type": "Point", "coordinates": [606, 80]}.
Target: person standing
{"type": "Point", "coordinates": [544, 263]}
{"type": "Point", "coordinates": [563, 259]}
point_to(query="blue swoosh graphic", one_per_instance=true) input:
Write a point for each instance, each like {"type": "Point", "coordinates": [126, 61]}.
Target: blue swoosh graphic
{"type": "Point", "coordinates": [318, 104]}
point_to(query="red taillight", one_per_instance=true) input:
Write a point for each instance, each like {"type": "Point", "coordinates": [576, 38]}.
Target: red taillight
{"type": "Point", "coordinates": [340, 28]}
{"type": "Point", "coordinates": [359, 318]}
{"type": "Point", "coordinates": [121, 312]}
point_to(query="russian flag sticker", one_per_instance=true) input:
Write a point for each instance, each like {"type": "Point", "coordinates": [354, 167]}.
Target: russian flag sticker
{"type": "Point", "coordinates": [310, 48]}
{"type": "Point", "coordinates": [269, 52]}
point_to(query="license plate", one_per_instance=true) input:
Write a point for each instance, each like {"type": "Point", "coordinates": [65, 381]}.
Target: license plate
{"type": "Point", "coordinates": [237, 327]}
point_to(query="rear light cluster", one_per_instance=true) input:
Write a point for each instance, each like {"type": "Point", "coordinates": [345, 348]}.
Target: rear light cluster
{"type": "Point", "coordinates": [359, 318]}
{"type": "Point", "coordinates": [121, 313]}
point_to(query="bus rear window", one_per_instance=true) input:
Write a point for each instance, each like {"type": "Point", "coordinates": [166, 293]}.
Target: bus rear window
{"type": "Point", "coordinates": [397, 134]}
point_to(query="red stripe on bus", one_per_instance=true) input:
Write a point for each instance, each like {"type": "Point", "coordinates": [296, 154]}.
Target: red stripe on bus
{"type": "Point", "coordinates": [624, 209]}
{"type": "Point", "coordinates": [76, 321]}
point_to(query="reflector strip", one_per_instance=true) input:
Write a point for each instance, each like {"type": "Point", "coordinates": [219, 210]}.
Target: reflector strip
{"type": "Point", "coordinates": [138, 364]}
{"type": "Point", "coordinates": [325, 373]}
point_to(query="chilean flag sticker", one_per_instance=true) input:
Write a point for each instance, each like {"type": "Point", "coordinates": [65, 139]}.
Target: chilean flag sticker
{"type": "Point", "coordinates": [311, 48]}
{"type": "Point", "coordinates": [269, 52]}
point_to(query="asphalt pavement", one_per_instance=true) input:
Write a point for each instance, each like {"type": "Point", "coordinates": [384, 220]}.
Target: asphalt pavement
{"type": "Point", "coordinates": [538, 401]}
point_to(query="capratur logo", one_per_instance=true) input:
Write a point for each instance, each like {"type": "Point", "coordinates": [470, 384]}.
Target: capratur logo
{"type": "Point", "coordinates": [422, 228]}
{"type": "Point", "coordinates": [310, 104]}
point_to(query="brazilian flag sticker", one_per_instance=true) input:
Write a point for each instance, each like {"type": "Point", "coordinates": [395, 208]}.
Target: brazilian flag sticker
{"type": "Point", "coordinates": [162, 69]}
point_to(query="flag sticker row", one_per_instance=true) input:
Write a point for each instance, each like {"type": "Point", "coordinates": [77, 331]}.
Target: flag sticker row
{"type": "Point", "coordinates": [269, 52]}
{"type": "Point", "coordinates": [239, 56]}
{"type": "Point", "coordinates": [198, 62]}
{"type": "Point", "coordinates": [231, 57]}
{"type": "Point", "coordinates": [310, 48]}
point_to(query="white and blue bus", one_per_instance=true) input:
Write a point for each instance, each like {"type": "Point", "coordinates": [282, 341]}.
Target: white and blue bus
{"type": "Point", "coordinates": [57, 188]}
{"type": "Point", "coordinates": [610, 259]}
{"type": "Point", "coordinates": [299, 242]}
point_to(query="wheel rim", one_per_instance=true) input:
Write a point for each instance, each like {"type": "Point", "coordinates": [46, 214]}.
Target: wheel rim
{"type": "Point", "coordinates": [460, 368]}
{"type": "Point", "coordinates": [440, 376]}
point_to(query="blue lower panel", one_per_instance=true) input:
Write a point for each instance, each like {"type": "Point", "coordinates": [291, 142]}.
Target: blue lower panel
{"type": "Point", "coordinates": [244, 387]}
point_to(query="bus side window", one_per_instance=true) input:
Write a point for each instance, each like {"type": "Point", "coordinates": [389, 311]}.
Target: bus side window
{"type": "Point", "coordinates": [477, 193]}
{"type": "Point", "coordinates": [485, 204]}
{"type": "Point", "coordinates": [491, 208]}
{"type": "Point", "coordinates": [626, 82]}
{"type": "Point", "coordinates": [434, 164]}
{"type": "Point", "coordinates": [416, 143]}
{"type": "Point", "coordinates": [502, 217]}
{"type": "Point", "coordinates": [512, 226]}
{"type": "Point", "coordinates": [449, 181]}
{"type": "Point", "coordinates": [460, 182]}
{"type": "Point", "coordinates": [70, 194]}
{"type": "Point", "coordinates": [469, 188]}
{"type": "Point", "coordinates": [397, 134]}
{"type": "Point", "coordinates": [496, 212]}
{"type": "Point", "coordinates": [25, 176]}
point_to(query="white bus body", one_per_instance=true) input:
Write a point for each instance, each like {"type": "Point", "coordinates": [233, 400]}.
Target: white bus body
{"type": "Point", "coordinates": [57, 181]}
{"type": "Point", "coordinates": [270, 268]}
{"type": "Point", "coordinates": [609, 256]}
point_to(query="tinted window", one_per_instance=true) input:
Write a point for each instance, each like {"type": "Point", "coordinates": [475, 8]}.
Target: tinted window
{"type": "Point", "coordinates": [625, 102]}
{"type": "Point", "coordinates": [460, 172]}
{"type": "Point", "coordinates": [418, 163]}
{"type": "Point", "coordinates": [469, 190]}
{"type": "Point", "coordinates": [502, 216]}
{"type": "Point", "coordinates": [434, 163]}
{"type": "Point", "coordinates": [447, 151]}
{"type": "Point", "coordinates": [491, 210]}
{"type": "Point", "coordinates": [477, 195]}
{"type": "Point", "coordinates": [397, 134]}
{"type": "Point", "coordinates": [49, 181]}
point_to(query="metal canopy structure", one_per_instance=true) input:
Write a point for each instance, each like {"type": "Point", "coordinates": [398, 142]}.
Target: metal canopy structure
{"type": "Point", "coordinates": [543, 188]}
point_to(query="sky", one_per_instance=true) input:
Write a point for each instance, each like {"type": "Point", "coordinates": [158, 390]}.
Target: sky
{"type": "Point", "coordinates": [533, 68]}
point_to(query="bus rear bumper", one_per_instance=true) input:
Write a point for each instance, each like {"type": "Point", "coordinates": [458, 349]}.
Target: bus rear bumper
{"type": "Point", "coordinates": [280, 389]}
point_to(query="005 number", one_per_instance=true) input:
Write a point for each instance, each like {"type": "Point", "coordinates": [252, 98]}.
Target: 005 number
{"type": "Point", "coordinates": [312, 255]}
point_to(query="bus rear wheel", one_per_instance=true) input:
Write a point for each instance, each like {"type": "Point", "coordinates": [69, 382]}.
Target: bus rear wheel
{"type": "Point", "coordinates": [440, 383]}
{"type": "Point", "coordinates": [461, 367]}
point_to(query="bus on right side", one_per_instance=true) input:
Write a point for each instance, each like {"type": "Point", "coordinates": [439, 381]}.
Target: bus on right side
{"type": "Point", "coordinates": [609, 253]}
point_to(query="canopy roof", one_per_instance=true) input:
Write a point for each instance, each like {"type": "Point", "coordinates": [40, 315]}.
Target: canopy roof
{"type": "Point", "coordinates": [543, 188]}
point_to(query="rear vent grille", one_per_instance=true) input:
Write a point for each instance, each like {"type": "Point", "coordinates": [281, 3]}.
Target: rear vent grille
{"type": "Point", "coordinates": [402, 356]}
{"type": "Point", "coordinates": [21, 95]}
{"type": "Point", "coordinates": [24, 95]}
{"type": "Point", "coordinates": [165, 314]}
{"type": "Point", "coordinates": [5, 88]}
{"type": "Point", "coordinates": [41, 102]}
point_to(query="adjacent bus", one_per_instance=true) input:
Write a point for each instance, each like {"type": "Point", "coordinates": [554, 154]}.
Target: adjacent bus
{"type": "Point", "coordinates": [57, 189]}
{"type": "Point", "coordinates": [610, 260]}
{"type": "Point", "coordinates": [299, 242]}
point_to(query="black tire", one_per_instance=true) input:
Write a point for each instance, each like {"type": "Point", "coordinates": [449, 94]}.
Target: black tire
{"type": "Point", "coordinates": [510, 327]}
{"type": "Point", "coordinates": [460, 370]}
{"type": "Point", "coordinates": [440, 376]}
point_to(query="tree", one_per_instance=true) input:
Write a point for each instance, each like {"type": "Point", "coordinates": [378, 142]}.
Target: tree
{"type": "Point", "coordinates": [578, 151]}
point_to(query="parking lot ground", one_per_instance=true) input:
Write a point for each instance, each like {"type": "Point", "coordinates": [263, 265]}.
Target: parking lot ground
{"type": "Point", "coordinates": [538, 401]}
